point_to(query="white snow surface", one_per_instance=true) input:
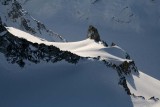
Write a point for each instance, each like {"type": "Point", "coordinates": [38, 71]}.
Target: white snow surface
{"type": "Point", "coordinates": [84, 48]}
{"type": "Point", "coordinates": [89, 83]}
{"type": "Point", "coordinates": [132, 24]}
{"type": "Point", "coordinates": [100, 84]}
{"type": "Point", "coordinates": [146, 86]}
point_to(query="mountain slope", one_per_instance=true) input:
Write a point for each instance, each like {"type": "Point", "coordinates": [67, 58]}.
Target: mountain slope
{"type": "Point", "coordinates": [89, 72]}
{"type": "Point", "coordinates": [85, 48]}
{"type": "Point", "coordinates": [114, 17]}
{"type": "Point", "coordinates": [146, 86]}
{"type": "Point", "coordinates": [13, 14]}
{"type": "Point", "coordinates": [35, 71]}
{"type": "Point", "coordinates": [72, 19]}
{"type": "Point", "coordinates": [61, 84]}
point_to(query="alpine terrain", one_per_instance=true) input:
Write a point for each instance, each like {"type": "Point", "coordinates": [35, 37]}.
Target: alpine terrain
{"type": "Point", "coordinates": [40, 68]}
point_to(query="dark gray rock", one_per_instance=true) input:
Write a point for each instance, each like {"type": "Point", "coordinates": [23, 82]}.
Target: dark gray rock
{"type": "Point", "coordinates": [93, 33]}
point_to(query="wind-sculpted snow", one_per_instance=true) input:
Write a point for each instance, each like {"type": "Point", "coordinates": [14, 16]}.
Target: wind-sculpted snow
{"type": "Point", "coordinates": [33, 47]}
{"type": "Point", "coordinates": [19, 48]}
{"type": "Point", "coordinates": [37, 71]}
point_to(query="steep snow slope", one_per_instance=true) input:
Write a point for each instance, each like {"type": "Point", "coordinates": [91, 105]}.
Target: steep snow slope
{"type": "Point", "coordinates": [116, 17]}
{"type": "Point", "coordinates": [73, 93]}
{"type": "Point", "coordinates": [146, 86]}
{"type": "Point", "coordinates": [13, 14]}
{"type": "Point", "coordinates": [132, 24]}
{"type": "Point", "coordinates": [88, 83]}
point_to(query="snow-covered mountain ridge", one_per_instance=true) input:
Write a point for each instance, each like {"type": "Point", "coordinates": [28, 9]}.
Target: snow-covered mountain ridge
{"type": "Point", "coordinates": [20, 47]}
{"type": "Point", "coordinates": [87, 48]}
{"type": "Point", "coordinates": [79, 74]}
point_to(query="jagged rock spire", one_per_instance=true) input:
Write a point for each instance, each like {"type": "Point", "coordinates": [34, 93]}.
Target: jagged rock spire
{"type": "Point", "coordinates": [93, 33]}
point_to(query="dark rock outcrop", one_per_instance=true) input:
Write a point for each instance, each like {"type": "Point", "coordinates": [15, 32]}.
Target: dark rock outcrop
{"type": "Point", "coordinates": [124, 84]}
{"type": "Point", "coordinates": [113, 44]}
{"type": "Point", "coordinates": [135, 96]}
{"type": "Point", "coordinates": [93, 33]}
{"type": "Point", "coordinates": [19, 50]}
{"type": "Point", "coordinates": [154, 98]}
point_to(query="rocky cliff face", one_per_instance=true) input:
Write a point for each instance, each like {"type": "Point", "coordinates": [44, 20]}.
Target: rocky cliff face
{"type": "Point", "coordinates": [13, 14]}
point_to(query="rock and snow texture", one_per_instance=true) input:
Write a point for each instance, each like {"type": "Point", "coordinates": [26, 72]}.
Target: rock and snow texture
{"type": "Point", "coordinates": [140, 35]}
{"type": "Point", "coordinates": [145, 87]}
{"type": "Point", "coordinates": [141, 94]}
{"type": "Point", "coordinates": [84, 48]}
{"type": "Point", "coordinates": [122, 16]}
{"type": "Point", "coordinates": [132, 24]}
{"type": "Point", "coordinates": [13, 14]}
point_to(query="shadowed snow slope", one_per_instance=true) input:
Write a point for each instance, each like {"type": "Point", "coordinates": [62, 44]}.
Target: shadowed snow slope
{"type": "Point", "coordinates": [146, 86]}
{"type": "Point", "coordinates": [132, 24]}
{"type": "Point", "coordinates": [54, 78]}
{"type": "Point", "coordinates": [13, 14]}
{"type": "Point", "coordinates": [88, 83]}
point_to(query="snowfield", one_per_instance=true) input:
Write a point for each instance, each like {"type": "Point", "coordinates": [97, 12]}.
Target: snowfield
{"type": "Point", "coordinates": [144, 85]}
{"type": "Point", "coordinates": [88, 83]}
